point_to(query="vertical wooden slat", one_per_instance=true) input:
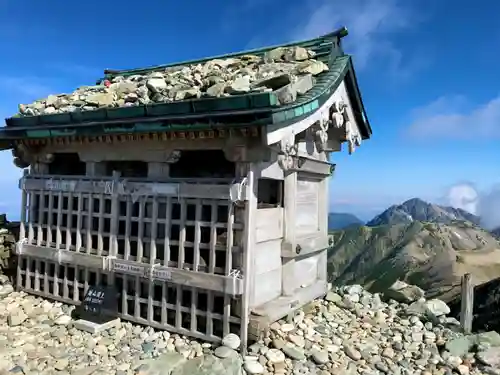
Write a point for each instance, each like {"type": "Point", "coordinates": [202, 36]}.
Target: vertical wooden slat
{"type": "Point", "coordinates": [166, 258]}
{"type": "Point", "coordinates": [33, 198]}
{"type": "Point", "coordinates": [126, 254]}
{"type": "Point", "coordinates": [467, 301]}
{"type": "Point", "coordinates": [182, 234]}
{"type": "Point", "coordinates": [211, 265]}
{"type": "Point", "coordinates": [40, 223]}
{"type": "Point", "coordinates": [90, 217]}
{"type": "Point", "coordinates": [128, 227]}
{"type": "Point", "coordinates": [49, 219]}
{"type": "Point", "coordinates": [76, 281]}
{"type": "Point", "coordinates": [180, 263]}
{"type": "Point", "coordinates": [69, 222]}
{"type": "Point", "coordinates": [152, 254]}
{"type": "Point", "coordinates": [69, 226]}
{"type": "Point", "coordinates": [140, 254]}
{"type": "Point", "coordinates": [197, 235]}
{"type": "Point", "coordinates": [228, 267]}
{"type": "Point", "coordinates": [114, 220]}
{"type": "Point", "coordinates": [230, 241]}
{"type": "Point", "coordinates": [58, 240]}
{"type": "Point", "coordinates": [78, 245]}
{"type": "Point", "coordinates": [88, 243]}
{"type": "Point", "coordinates": [59, 220]}
{"type": "Point", "coordinates": [196, 265]}
{"type": "Point", "coordinates": [168, 226]}
{"type": "Point", "coordinates": [140, 235]}
{"type": "Point", "coordinates": [213, 236]}
{"type": "Point", "coordinates": [46, 277]}
{"type": "Point", "coordinates": [39, 236]}
{"type": "Point", "coordinates": [100, 227]}
{"type": "Point", "coordinates": [137, 304]}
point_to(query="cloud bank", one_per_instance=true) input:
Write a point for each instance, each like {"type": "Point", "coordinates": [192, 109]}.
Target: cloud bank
{"type": "Point", "coordinates": [455, 117]}
{"type": "Point", "coordinates": [373, 25]}
{"type": "Point", "coordinates": [485, 204]}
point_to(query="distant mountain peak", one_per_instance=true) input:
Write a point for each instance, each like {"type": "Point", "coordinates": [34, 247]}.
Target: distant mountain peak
{"type": "Point", "coordinates": [415, 201]}
{"type": "Point", "coordinates": [418, 209]}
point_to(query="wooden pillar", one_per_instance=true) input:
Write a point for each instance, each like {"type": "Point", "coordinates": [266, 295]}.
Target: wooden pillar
{"type": "Point", "coordinates": [95, 169]}
{"type": "Point", "coordinates": [249, 256]}
{"type": "Point", "coordinates": [288, 271]}
{"type": "Point", "coordinates": [323, 227]}
{"type": "Point", "coordinates": [467, 300]}
{"type": "Point", "coordinates": [39, 168]}
{"type": "Point", "coordinates": [158, 170]}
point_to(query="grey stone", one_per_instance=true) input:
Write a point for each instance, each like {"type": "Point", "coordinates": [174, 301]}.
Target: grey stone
{"type": "Point", "coordinates": [240, 85]}
{"type": "Point", "coordinates": [293, 352]}
{"type": "Point", "coordinates": [5, 290]}
{"type": "Point", "coordinates": [231, 341]}
{"type": "Point", "coordinates": [490, 357]}
{"type": "Point", "coordinates": [224, 352]}
{"type": "Point", "coordinates": [460, 345]}
{"type": "Point", "coordinates": [352, 353]}
{"type": "Point", "coordinates": [253, 367]}
{"type": "Point", "coordinates": [104, 99]}
{"type": "Point", "coordinates": [403, 292]}
{"type": "Point", "coordinates": [436, 308]}
{"type": "Point", "coordinates": [333, 297]}
{"type": "Point", "coordinates": [319, 356]}
{"type": "Point", "coordinates": [275, 355]}
{"type": "Point", "coordinates": [274, 82]}
{"type": "Point", "coordinates": [313, 67]}
{"type": "Point", "coordinates": [156, 85]}
{"type": "Point", "coordinates": [16, 317]}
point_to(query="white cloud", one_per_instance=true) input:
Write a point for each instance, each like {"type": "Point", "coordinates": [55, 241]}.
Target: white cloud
{"type": "Point", "coordinates": [455, 117]}
{"type": "Point", "coordinates": [485, 204]}
{"type": "Point", "coordinates": [369, 22]}
{"type": "Point", "coordinates": [26, 87]}
{"type": "Point", "coordinates": [372, 24]}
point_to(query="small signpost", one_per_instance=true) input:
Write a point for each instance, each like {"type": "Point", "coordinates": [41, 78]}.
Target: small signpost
{"type": "Point", "coordinates": [100, 305]}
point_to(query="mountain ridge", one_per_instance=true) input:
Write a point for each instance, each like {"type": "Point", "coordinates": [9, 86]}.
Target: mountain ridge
{"type": "Point", "coordinates": [433, 256]}
{"type": "Point", "coordinates": [416, 209]}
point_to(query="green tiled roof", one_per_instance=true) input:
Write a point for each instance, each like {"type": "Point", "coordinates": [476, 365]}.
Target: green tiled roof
{"type": "Point", "coordinates": [237, 110]}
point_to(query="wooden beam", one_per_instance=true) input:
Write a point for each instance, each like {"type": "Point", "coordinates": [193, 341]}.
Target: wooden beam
{"type": "Point", "coordinates": [304, 245]}
{"type": "Point", "coordinates": [109, 186]}
{"type": "Point", "coordinates": [311, 166]}
{"type": "Point", "coordinates": [217, 283]}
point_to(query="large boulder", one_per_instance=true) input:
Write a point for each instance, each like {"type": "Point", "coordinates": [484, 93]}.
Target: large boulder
{"type": "Point", "coordinates": [404, 293]}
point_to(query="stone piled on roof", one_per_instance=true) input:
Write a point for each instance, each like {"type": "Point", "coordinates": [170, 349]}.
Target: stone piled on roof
{"type": "Point", "coordinates": [289, 71]}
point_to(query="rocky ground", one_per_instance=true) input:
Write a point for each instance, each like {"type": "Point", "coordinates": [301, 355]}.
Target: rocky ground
{"type": "Point", "coordinates": [349, 332]}
{"type": "Point", "coordinates": [287, 71]}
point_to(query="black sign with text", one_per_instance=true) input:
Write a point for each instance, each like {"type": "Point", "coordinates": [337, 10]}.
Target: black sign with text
{"type": "Point", "coordinates": [100, 305]}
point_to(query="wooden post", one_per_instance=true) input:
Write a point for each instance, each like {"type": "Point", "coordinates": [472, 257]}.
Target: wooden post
{"type": "Point", "coordinates": [467, 303]}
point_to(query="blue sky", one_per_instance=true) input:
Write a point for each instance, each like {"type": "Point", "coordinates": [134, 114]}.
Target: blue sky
{"type": "Point", "coordinates": [428, 72]}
